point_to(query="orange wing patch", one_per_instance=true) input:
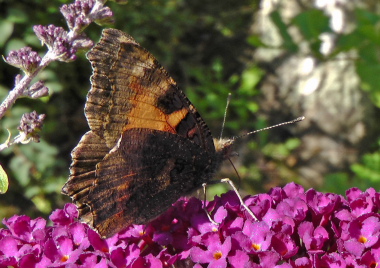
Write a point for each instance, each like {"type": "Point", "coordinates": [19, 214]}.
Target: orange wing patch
{"type": "Point", "coordinates": [144, 115]}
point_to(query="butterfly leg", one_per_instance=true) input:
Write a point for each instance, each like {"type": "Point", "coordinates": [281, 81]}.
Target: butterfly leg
{"type": "Point", "coordinates": [204, 185]}
{"type": "Point", "coordinates": [227, 180]}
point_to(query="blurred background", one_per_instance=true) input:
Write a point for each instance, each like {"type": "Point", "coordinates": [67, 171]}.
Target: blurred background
{"type": "Point", "coordinates": [280, 60]}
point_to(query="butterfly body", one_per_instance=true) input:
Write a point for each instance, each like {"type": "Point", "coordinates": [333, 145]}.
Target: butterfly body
{"type": "Point", "coordinates": [147, 145]}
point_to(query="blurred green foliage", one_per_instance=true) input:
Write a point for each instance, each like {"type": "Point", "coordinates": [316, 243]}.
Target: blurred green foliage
{"type": "Point", "coordinates": [203, 45]}
{"type": "Point", "coordinates": [366, 174]}
{"type": "Point", "coordinates": [363, 41]}
{"type": "Point", "coordinates": [368, 170]}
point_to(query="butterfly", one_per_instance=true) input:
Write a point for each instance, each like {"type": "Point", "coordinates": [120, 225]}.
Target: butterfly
{"type": "Point", "coordinates": [147, 145]}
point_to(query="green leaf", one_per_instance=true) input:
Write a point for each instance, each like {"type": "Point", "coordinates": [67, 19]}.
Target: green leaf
{"type": "Point", "coordinates": [312, 23]}
{"type": "Point", "coordinates": [334, 182]}
{"type": "Point", "coordinates": [369, 32]}
{"type": "Point", "coordinates": [365, 17]}
{"type": "Point", "coordinates": [280, 151]}
{"type": "Point", "coordinates": [21, 167]}
{"type": "Point", "coordinates": [370, 169]}
{"type": "Point", "coordinates": [249, 79]}
{"type": "Point", "coordinates": [3, 181]}
{"type": "Point", "coordinates": [370, 79]}
{"type": "Point", "coordinates": [368, 54]}
{"type": "Point", "coordinates": [349, 41]}
{"type": "Point", "coordinates": [6, 29]}
{"type": "Point", "coordinates": [292, 144]}
{"type": "Point", "coordinates": [283, 30]}
{"type": "Point", "coordinates": [41, 204]}
{"type": "Point", "coordinates": [255, 40]}
{"type": "Point", "coordinates": [17, 15]}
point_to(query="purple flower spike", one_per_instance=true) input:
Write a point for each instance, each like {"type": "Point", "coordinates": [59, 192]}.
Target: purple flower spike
{"type": "Point", "coordinates": [122, 257]}
{"type": "Point", "coordinates": [82, 12]}
{"type": "Point", "coordinates": [216, 252]}
{"type": "Point", "coordinates": [260, 236]}
{"type": "Point", "coordinates": [294, 190]}
{"type": "Point", "coordinates": [49, 34]}
{"type": "Point", "coordinates": [365, 230]}
{"type": "Point", "coordinates": [284, 245]}
{"type": "Point", "coordinates": [25, 228]}
{"type": "Point", "coordinates": [270, 259]}
{"type": "Point", "coordinates": [362, 205]}
{"type": "Point", "coordinates": [62, 217]}
{"type": "Point", "coordinates": [299, 229]}
{"type": "Point", "coordinates": [104, 15]}
{"type": "Point", "coordinates": [61, 251]}
{"type": "Point", "coordinates": [332, 260]}
{"type": "Point", "coordinates": [149, 261]}
{"type": "Point", "coordinates": [313, 239]}
{"type": "Point", "coordinates": [76, 13]}
{"type": "Point", "coordinates": [302, 262]}
{"type": "Point", "coordinates": [30, 126]}
{"type": "Point", "coordinates": [58, 42]}
{"type": "Point", "coordinates": [37, 90]}
{"type": "Point", "coordinates": [25, 59]}
{"type": "Point", "coordinates": [370, 258]}
{"type": "Point", "coordinates": [9, 247]}
{"type": "Point", "coordinates": [295, 208]}
{"type": "Point", "coordinates": [78, 232]}
{"type": "Point", "coordinates": [62, 46]}
{"type": "Point", "coordinates": [321, 204]}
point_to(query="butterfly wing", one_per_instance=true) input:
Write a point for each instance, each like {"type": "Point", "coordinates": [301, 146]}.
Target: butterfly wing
{"type": "Point", "coordinates": [147, 145]}
{"type": "Point", "coordinates": [138, 181]}
{"type": "Point", "coordinates": [130, 89]}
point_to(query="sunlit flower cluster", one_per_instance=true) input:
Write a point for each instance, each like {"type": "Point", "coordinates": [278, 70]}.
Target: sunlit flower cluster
{"type": "Point", "coordinates": [295, 229]}
{"type": "Point", "coordinates": [24, 58]}
{"type": "Point", "coordinates": [31, 124]}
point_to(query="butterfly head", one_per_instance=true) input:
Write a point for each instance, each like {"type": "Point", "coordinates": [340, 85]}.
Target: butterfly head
{"type": "Point", "coordinates": [223, 147]}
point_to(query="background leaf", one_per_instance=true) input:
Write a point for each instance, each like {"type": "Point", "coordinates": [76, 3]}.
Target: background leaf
{"type": "Point", "coordinates": [3, 181]}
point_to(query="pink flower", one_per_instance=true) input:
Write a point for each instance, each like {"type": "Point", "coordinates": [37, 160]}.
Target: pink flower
{"type": "Point", "coordinates": [295, 229]}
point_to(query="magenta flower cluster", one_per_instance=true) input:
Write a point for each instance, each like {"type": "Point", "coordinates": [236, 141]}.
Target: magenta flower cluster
{"type": "Point", "coordinates": [295, 229]}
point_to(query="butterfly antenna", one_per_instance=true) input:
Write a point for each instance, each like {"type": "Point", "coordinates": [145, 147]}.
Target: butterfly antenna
{"type": "Point", "coordinates": [237, 173]}
{"type": "Point", "coordinates": [266, 128]}
{"type": "Point", "coordinates": [225, 115]}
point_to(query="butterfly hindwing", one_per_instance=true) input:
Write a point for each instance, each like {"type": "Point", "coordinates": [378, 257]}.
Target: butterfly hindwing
{"type": "Point", "coordinates": [139, 180]}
